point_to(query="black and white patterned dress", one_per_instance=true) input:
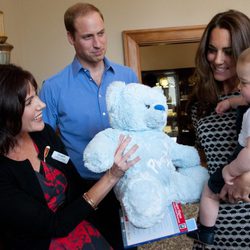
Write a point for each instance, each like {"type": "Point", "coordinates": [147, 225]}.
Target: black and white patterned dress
{"type": "Point", "coordinates": [217, 136]}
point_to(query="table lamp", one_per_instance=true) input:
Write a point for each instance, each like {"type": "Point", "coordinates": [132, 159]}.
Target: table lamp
{"type": "Point", "coordinates": [5, 48]}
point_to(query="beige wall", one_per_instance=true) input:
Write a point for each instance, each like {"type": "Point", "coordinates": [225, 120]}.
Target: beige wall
{"type": "Point", "coordinates": [35, 27]}
{"type": "Point", "coordinates": [170, 56]}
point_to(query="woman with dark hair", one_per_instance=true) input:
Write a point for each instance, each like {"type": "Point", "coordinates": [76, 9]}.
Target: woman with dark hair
{"type": "Point", "coordinates": [43, 204]}
{"type": "Point", "coordinates": [224, 38]}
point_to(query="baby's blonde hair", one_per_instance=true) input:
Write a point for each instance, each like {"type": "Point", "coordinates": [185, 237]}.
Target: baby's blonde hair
{"type": "Point", "coordinates": [244, 56]}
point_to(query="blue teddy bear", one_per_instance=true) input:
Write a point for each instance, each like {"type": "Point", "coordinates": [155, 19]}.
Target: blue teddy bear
{"type": "Point", "coordinates": [167, 171]}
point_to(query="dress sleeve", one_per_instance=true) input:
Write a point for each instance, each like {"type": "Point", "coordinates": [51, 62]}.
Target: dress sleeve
{"type": "Point", "coordinates": [26, 213]}
{"type": "Point", "coordinates": [23, 207]}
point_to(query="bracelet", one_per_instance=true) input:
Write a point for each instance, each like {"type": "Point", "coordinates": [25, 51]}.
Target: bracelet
{"type": "Point", "coordinates": [90, 201]}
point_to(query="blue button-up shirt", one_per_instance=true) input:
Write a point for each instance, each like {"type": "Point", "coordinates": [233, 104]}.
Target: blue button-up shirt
{"type": "Point", "coordinates": [77, 106]}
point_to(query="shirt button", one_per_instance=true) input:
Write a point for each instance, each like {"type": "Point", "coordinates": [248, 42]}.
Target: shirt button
{"type": "Point", "coordinates": [100, 95]}
{"type": "Point", "coordinates": [103, 113]}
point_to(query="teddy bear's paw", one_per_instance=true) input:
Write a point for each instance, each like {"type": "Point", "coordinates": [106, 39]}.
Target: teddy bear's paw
{"type": "Point", "coordinates": [183, 156]}
{"type": "Point", "coordinates": [97, 156]}
{"type": "Point", "coordinates": [198, 173]}
{"type": "Point", "coordinates": [190, 182]}
{"type": "Point", "coordinates": [145, 202]}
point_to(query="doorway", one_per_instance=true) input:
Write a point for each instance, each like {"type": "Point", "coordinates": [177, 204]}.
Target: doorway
{"type": "Point", "coordinates": [166, 55]}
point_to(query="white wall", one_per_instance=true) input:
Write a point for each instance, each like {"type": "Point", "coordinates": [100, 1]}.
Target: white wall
{"type": "Point", "coordinates": [35, 27]}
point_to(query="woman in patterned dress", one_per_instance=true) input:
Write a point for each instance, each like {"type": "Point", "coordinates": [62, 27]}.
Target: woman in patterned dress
{"type": "Point", "coordinates": [224, 38]}
{"type": "Point", "coordinates": [43, 201]}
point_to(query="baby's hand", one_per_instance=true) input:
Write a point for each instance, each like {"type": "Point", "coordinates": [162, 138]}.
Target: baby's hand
{"type": "Point", "coordinates": [222, 106]}
{"type": "Point", "coordinates": [227, 176]}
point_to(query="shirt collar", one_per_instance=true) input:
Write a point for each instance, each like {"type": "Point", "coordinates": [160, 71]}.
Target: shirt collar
{"type": "Point", "coordinates": [76, 65]}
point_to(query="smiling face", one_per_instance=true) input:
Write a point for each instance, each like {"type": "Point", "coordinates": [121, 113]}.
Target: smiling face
{"type": "Point", "coordinates": [32, 115]}
{"type": "Point", "coordinates": [243, 71]}
{"type": "Point", "coordinates": [219, 55]}
{"type": "Point", "coordinates": [89, 40]}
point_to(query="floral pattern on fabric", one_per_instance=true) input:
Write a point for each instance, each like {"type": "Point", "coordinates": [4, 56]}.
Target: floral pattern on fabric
{"type": "Point", "coordinates": [53, 184]}
{"type": "Point", "coordinates": [84, 236]}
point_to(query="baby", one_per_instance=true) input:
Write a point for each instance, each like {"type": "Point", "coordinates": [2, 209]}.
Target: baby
{"type": "Point", "coordinates": [209, 203]}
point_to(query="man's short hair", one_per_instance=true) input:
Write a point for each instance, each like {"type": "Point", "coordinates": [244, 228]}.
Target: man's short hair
{"type": "Point", "coordinates": [76, 10]}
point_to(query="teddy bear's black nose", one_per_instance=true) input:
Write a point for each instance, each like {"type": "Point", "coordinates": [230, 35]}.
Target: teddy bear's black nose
{"type": "Point", "coordinates": [159, 107]}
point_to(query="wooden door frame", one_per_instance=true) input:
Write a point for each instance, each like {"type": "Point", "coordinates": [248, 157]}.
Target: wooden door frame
{"type": "Point", "coordinates": [134, 39]}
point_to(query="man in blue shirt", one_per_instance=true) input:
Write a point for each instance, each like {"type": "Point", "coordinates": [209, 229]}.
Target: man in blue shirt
{"type": "Point", "coordinates": [76, 105]}
{"type": "Point", "coordinates": [75, 97]}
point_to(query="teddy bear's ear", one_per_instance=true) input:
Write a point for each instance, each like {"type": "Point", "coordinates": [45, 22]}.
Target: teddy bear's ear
{"type": "Point", "coordinates": [158, 89]}
{"type": "Point", "coordinates": [114, 91]}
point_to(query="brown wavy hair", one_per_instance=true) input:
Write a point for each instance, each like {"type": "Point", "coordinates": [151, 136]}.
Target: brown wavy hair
{"type": "Point", "coordinates": [206, 89]}
{"type": "Point", "coordinates": [14, 86]}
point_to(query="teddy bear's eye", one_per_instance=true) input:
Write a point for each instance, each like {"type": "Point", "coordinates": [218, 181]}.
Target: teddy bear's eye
{"type": "Point", "coordinates": [147, 106]}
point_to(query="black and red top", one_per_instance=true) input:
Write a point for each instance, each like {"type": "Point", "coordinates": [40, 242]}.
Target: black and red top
{"type": "Point", "coordinates": [45, 210]}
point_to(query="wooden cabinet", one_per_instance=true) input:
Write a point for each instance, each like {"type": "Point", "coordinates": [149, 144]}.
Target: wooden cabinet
{"type": "Point", "coordinates": [176, 84]}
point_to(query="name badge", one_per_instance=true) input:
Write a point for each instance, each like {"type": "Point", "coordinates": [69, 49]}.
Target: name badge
{"type": "Point", "coordinates": [60, 157]}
